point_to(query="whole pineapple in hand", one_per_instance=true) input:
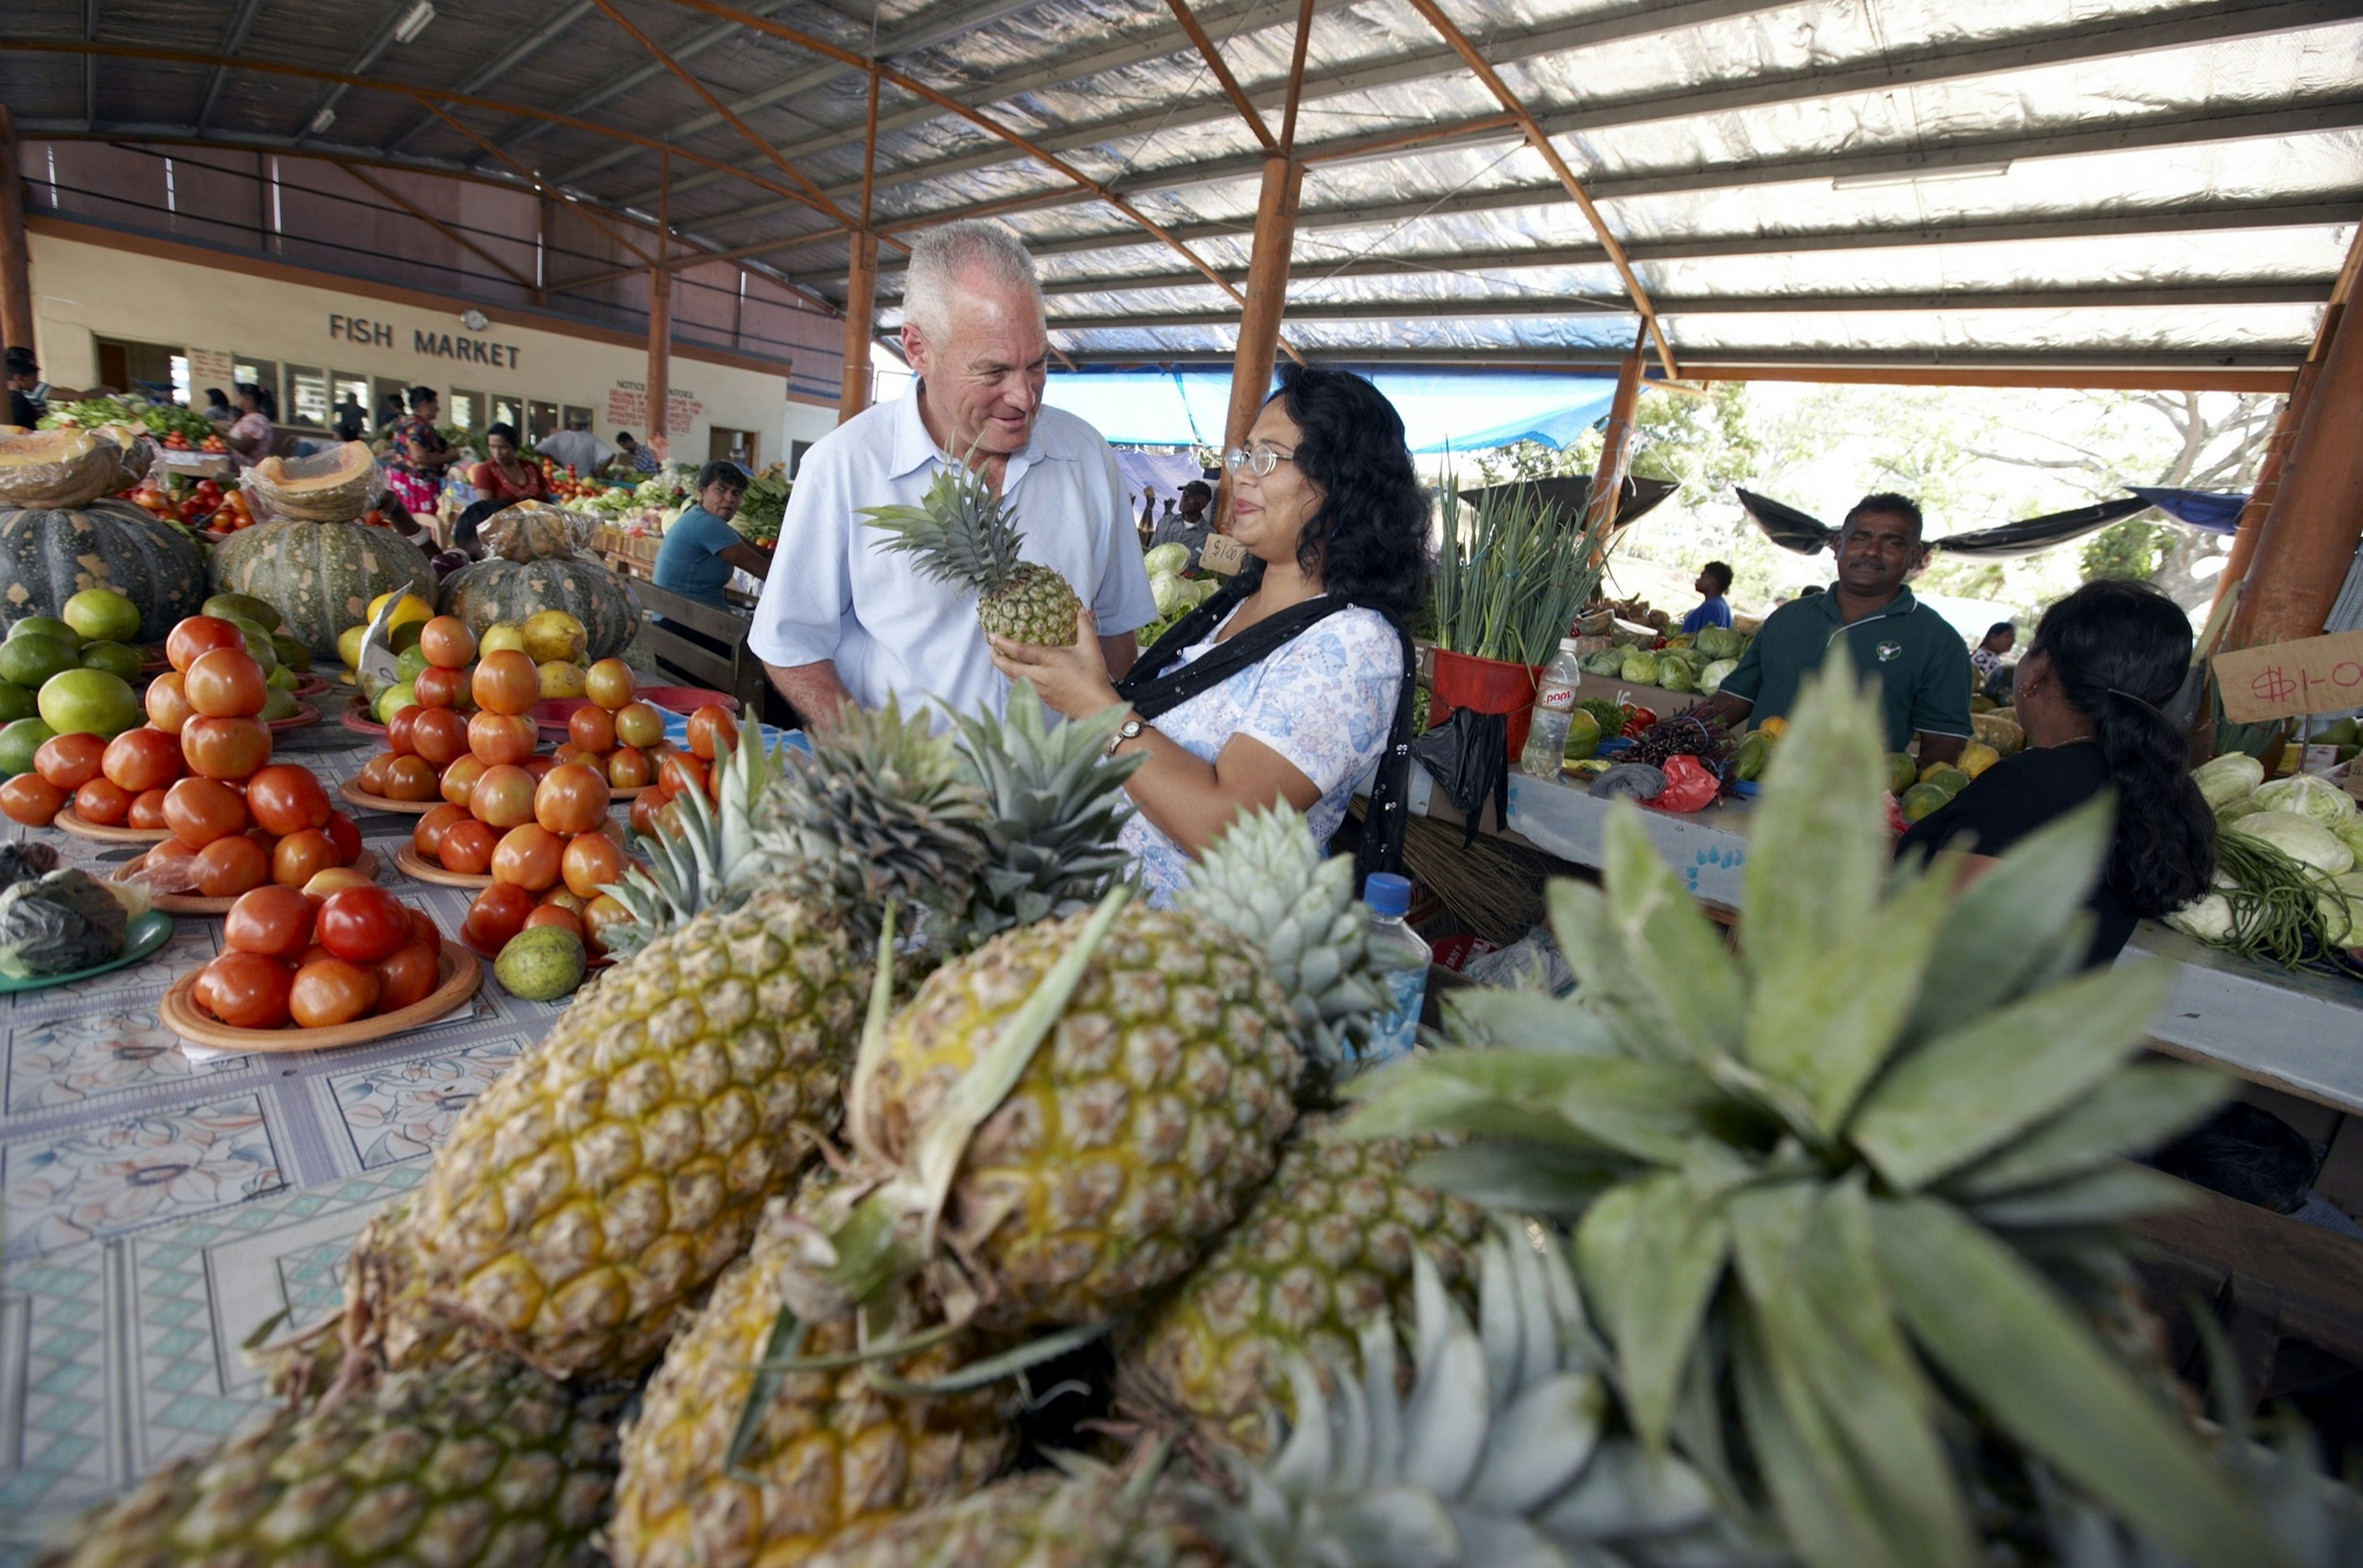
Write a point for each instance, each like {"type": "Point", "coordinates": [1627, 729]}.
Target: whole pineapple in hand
{"type": "Point", "coordinates": [963, 533]}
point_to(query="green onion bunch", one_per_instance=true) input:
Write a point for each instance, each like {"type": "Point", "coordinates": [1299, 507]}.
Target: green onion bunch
{"type": "Point", "coordinates": [1510, 583]}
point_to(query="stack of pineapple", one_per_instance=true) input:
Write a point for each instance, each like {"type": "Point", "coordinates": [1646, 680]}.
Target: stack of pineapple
{"type": "Point", "coordinates": [1797, 1255]}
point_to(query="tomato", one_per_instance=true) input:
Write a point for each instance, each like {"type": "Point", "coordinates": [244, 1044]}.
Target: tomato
{"type": "Point", "coordinates": [629, 768]}
{"type": "Point", "coordinates": [446, 643]}
{"type": "Point", "coordinates": [273, 921]}
{"type": "Point", "coordinates": [570, 798]}
{"type": "Point", "coordinates": [141, 760]}
{"type": "Point", "coordinates": [370, 777]}
{"type": "Point", "coordinates": [645, 807]}
{"type": "Point", "coordinates": [427, 836]}
{"type": "Point", "coordinates": [538, 767]}
{"type": "Point", "coordinates": [286, 798]}
{"type": "Point", "coordinates": [336, 879]}
{"type": "Point", "coordinates": [590, 863]}
{"type": "Point", "coordinates": [331, 990]}
{"type": "Point", "coordinates": [682, 774]}
{"type": "Point", "coordinates": [608, 683]}
{"type": "Point", "coordinates": [505, 682]}
{"type": "Point", "coordinates": [198, 634]}
{"type": "Point", "coordinates": [712, 731]}
{"type": "Point", "coordinates": [146, 812]}
{"type": "Point", "coordinates": [499, 913]}
{"type": "Point", "coordinates": [598, 915]}
{"type": "Point", "coordinates": [104, 802]}
{"type": "Point", "coordinates": [459, 778]}
{"type": "Point", "coordinates": [168, 703]}
{"type": "Point", "coordinates": [637, 724]}
{"type": "Point", "coordinates": [422, 929]}
{"type": "Point", "coordinates": [69, 762]}
{"type": "Point", "coordinates": [296, 859]}
{"type": "Point", "coordinates": [502, 738]}
{"type": "Point", "coordinates": [591, 729]}
{"type": "Point", "coordinates": [245, 990]}
{"type": "Point", "coordinates": [228, 867]}
{"type": "Point", "coordinates": [561, 897]}
{"type": "Point", "coordinates": [528, 856]}
{"type": "Point", "coordinates": [437, 688]}
{"type": "Point", "coordinates": [345, 836]}
{"type": "Point", "coordinates": [555, 914]}
{"type": "Point", "coordinates": [226, 684]}
{"type": "Point", "coordinates": [31, 799]}
{"type": "Point", "coordinates": [411, 779]}
{"type": "Point", "coordinates": [363, 924]}
{"type": "Point", "coordinates": [440, 736]}
{"type": "Point", "coordinates": [503, 797]}
{"type": "Point", "coordinates": [409, 975]}
{"type": "Point", "coordinates": [402, 729]}
{"type": "Point", "coordinates": [467, 847]}
{"type": "Point", "coordinates": [224, 748]}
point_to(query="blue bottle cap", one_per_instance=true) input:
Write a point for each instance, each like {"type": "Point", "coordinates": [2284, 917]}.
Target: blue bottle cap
{"type": "Point", "coordinates": [1387, 894]}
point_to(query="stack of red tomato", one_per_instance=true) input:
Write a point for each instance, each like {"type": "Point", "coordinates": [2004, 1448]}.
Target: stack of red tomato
{"type": "Point", "coordinates": [616, 734]}
{"type": "Point", "coordinates": [711, 730]}
{"type": "Point", "coordinates": [435, 744]}
{"type": "Point", "coordinates": [340, 949]}
{"type": "Point", "coordinates": [549, 846]}
{"type": "Point", "coordinates": [229, 512]}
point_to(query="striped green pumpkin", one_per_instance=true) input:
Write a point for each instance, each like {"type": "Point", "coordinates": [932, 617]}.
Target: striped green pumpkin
{"type": "Point", "coordinates": [321, 577]}
{"type": "Point", "coordinates": [512, 590]}
{"type": "Point", "coordinates": [51, 553]}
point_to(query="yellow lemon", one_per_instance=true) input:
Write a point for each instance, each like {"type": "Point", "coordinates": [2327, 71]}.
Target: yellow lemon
{"type": "Point", "coordinates": [411, 608]}
{"type": "Point", "coordinates": [501, 636]}
{"type": "Point", "coordinates": [349, 646]}
{"type": "Point", "coordinates": [1776, 726]}
{"type": "Point", "coordinates": [554, 634]}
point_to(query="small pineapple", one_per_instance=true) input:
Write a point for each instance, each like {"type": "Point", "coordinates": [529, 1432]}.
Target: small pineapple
{"type": "Point", "coordinates": [1327, 1244]}
{"type": "Point", "coordinates": [481, 1463]}
{"type": "Point", "coordinates": [830, 1452]}
{"type": "Point", "coordinates": [1040, 1519]}
{"type": "Point", "coordinates": [962, 533]}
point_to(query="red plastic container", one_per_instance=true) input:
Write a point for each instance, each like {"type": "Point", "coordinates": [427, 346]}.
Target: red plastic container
{"type": "Point", "coordinates": [1484, 685]}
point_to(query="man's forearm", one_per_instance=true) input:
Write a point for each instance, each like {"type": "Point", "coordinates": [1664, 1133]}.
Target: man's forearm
{"type": "Point", "coordinates": [813, 690]}
{"type": "Point", "coordinates": [1940, 748]}
{"type": "Point", "coordinates": [1723, 709]}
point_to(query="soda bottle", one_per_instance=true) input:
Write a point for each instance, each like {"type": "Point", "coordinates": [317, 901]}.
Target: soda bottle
{"type": "Point", "coordinates": [1554, 708]}
{"type": "Point", "coordinates": [1402, 960]}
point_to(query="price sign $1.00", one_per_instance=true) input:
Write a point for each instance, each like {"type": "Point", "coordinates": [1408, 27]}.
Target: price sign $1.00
{"type": "Point", "coordinates": [2282, 680]}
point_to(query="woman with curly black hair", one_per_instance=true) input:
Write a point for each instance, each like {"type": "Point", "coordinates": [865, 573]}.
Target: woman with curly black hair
{"type": "Point", "coordinates": [1290, 682]}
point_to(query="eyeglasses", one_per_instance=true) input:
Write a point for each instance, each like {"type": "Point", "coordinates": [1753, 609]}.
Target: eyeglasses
{"type": "Point", "coordinates": [1258, 459]}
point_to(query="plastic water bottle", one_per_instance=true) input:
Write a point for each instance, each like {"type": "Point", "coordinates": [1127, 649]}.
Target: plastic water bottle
{"type": "Point", "coordinates": [1554, 710]}
{"type": "Point", "coordinates": [1402, 960]}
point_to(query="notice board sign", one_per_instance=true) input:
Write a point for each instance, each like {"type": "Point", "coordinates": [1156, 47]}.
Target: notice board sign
{"type": "Point", "coordinates": [2282, 680]}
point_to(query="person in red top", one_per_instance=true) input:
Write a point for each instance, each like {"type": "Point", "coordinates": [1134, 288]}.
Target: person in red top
{"type": "Point", "coordinates": [506, 477]}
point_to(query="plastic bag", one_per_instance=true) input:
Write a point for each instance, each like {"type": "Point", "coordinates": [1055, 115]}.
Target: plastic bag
{"type": "Point", "coordinates": [25, 863]}
{"type": "Point", "coordinates": [1689, 786]}
{"type": "Point", "coordinates": [1469, 754]}
{"type": "Point", "coordinates": [60, 922]}
{"type": "Point", "coordinates": [536, 531]}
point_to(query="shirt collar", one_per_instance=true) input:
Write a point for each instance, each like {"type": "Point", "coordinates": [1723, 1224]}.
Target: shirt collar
{"type": "Point", "coordinates": [1903, 604]}
{"type": "Point", "coordinates": [913, 448]}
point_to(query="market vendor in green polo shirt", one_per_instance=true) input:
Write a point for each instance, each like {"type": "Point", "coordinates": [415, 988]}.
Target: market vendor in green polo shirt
{"type": "Point", "coordinates": [1922, 664]}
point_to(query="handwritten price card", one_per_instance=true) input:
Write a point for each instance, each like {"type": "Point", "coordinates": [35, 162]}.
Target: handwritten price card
{"type": "Point", "coordinates": [2319, 674]}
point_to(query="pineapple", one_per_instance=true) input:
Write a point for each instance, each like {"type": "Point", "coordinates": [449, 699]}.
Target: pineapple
{"type": "Point", "coordinates": [700, 854]}
{"type": "Point", "coordinates": [962, 533]}
{"type": "Point", "coordinates": [1040, 1519]}
{"type": "Point", "coordinates": [481, 1463]}
{"type": "Point", "coordinates": [832, 1450]}
{"type": "Point", "coordinates": [1855, 1184]}
{"type": "Point", "coordinates": [1327, 1243]}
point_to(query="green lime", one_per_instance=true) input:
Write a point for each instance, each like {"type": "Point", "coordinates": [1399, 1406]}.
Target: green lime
{"type": "Point", "coordinates": [90, 702]}
{"type": "Point", "coordinates": [32, 657]}
{"type": "Point", "coordinates": [18, 741]}
{"type": "Point", "coordinates": [277, 704]}
{"type": "Point", "coordinates": [242, 606]}
{"type": "Point", "coordinates": [392, 700]}
{"type": "Point", "coordinates": [409, 665]}
{"type": "Point", "coordinates": [103, 615]}
{"type": "Point", "coordinates": [406, 635]}
{"type": "Point", "coordinates": [16, 703]}
{"type": "Point", "coordinates": [114, 658]}
{"type": "Point", "coordinates": [293, 655]}
{"type": "Point", "coordinates": [541, 964]}
{"type": "Point", "coordinates": [283, 678]}
{"type": "Point", "coordinates": [45, 626]}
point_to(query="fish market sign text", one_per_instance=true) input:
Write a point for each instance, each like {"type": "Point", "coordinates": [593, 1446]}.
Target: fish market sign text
{"type": "Point", "coordinates": [434, 345]}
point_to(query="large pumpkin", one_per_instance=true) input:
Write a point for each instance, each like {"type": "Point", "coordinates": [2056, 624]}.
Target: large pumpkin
{"type": "Point", "coordinates": [512, 590]}
{"type": "Point", "coordinates": [321, 577]}
{"type": "Point", "coordinates": [50, 554]}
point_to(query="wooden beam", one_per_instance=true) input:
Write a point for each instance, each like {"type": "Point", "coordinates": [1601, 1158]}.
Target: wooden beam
{"type": "Point", "coordinates": [1617, 444]}
{"type": "Point", "coordinates": [16, 252]}
{"type": "Point", "coordinates": [1267, 301]}
{"type": "Point", "coordinates": [659, 391]}
{"type": "Point", "coordinates": [1550, 154]}
{"type": "Point", "coordinates": [1230, 84]}
{"type": "Point", "coordinates": [860, 309]}
{"type": "Point", "coordinates": [2311, 529]}
{"type": "Point", "coordinates": [438, 226]}
{"type": "Point", "coordinates": [1296, 79]}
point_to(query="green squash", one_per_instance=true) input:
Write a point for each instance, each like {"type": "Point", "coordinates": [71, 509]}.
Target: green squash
{"type": "Point", "coordinates": [49, 554]}
{"type": "Point", "coordinates": [321, 577]}
{"type": "Point", "coordinates": [512, 590]}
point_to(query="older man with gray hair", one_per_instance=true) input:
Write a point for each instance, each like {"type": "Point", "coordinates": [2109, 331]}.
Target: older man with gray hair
{"type": "Point", "coordinates": [843, 617]}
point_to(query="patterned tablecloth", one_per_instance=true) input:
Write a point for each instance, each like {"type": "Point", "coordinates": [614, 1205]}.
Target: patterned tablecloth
{"type": "Point", "coordinates": [154, 1211]}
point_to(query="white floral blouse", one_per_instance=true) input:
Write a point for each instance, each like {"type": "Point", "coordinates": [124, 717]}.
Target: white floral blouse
{"type": "Point", "coordinates": [1324, 701]}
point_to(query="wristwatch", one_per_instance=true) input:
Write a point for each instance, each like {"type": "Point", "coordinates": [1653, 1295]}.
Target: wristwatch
{"type": "Point", "coordinates": [1128, 730]}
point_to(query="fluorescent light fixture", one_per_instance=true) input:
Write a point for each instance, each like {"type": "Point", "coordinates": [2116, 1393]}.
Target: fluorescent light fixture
{"type": "Point", "coordinates": [1910, 176]}
{"type": "Point", "coordinates": [414, 22]}
{"type": "Point", "coordinates": [321, 121]}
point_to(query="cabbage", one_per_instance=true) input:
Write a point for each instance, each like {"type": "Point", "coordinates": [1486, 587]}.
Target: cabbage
{"type": "Point", "coordinates": [1640, 668]}
{"type": "Point", "coordinates": [2302, 838]}
{"type": "Point", "coordinates": [2306, 794]}
{"type": "Point", "coordinates": [1609, 661]}
{"type": "Point", "coordinates": [2227, 778]}
{"type": "Point", "coordinates": [1710, 679]}
{"type": "Point", "coordinates": [1167, 559]}
{"type": "Point", "coordinates": [1171, 593]}
{"type": "Point", "coordinates": [1676, 676]}
{"type": "Point", "coordinates": [2208, 918]}
{"type": "Point", "coordinates": [1721, 642]}
{"type": "Point", "coordinates": [2351, 833]}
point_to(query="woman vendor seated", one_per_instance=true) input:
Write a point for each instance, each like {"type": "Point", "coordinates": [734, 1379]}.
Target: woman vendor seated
{"type": "Point", "coordinates": [505, 476]}
{"type": "Point", "coordinates": [1287, 684]}
{"type": "Point", "coordinates": [2092, 694]}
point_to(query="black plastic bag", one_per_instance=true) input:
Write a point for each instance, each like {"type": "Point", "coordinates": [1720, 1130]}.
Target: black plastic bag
{"type": "Point", "coordinates": [66, 920]}
{"type": "Point", "coordinates": [1469, 754]}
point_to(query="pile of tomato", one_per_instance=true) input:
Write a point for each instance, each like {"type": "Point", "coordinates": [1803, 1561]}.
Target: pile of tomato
{"type": "Point", "coordinates": [713, 734]}
{"type": "Point", "coordinates": [177, 441]}
{"type": "Point", "coordinates": [340, 949]}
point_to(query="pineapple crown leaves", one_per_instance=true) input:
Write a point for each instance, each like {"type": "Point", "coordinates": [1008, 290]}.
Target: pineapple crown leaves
{"type": "Point", "coordinates": [701, 857]}
{"type": "Point", "coordinates": [1267, 880]}
{"type": "Point", "coordinates": [1826, 1153]}
{"type": "Point", "coordinates": [1055, 801]}
{"type": "Point", "coordinates": [1501, 1451]}
{"type": "Point", "coordinates": [960, 531]}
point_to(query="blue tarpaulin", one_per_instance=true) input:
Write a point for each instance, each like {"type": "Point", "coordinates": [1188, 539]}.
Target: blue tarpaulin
{"type": "Point", "coordinates": [2214, 511]}
{"type": "Point", "coordinates": [1441, 410]}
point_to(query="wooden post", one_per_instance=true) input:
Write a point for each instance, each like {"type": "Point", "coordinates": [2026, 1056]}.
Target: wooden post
{"type": "Point", "coordinates": [860, 312]}
{"type": "Point", "coordinates": [1617, 444]}
{"type": "Point", "coordinates": [660, 324]}
{"type": "Point", "coordinates": [2268, 477]}
{"type": "Point", "coordinates": [2315, 520]}
{"type": "Point", "coordinates": [15, 257]}
{"type": "Point", "coordinates": [1275, 241]}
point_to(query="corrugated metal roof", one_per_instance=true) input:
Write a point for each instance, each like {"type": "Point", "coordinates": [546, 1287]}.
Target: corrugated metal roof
{"type": "Point", "coordinates": [2149, 184]}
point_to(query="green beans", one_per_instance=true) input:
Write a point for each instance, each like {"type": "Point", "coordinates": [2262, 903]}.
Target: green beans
{"type": "Point", "coordinates": [2275, 915]}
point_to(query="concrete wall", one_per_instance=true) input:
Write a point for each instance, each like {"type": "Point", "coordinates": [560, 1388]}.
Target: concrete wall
{"type": "Point", "coordinates": [89, 284]}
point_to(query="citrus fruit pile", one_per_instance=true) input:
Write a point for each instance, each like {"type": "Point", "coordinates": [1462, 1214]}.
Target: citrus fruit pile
{"type": "Point", "coordinates": [338, 948]}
